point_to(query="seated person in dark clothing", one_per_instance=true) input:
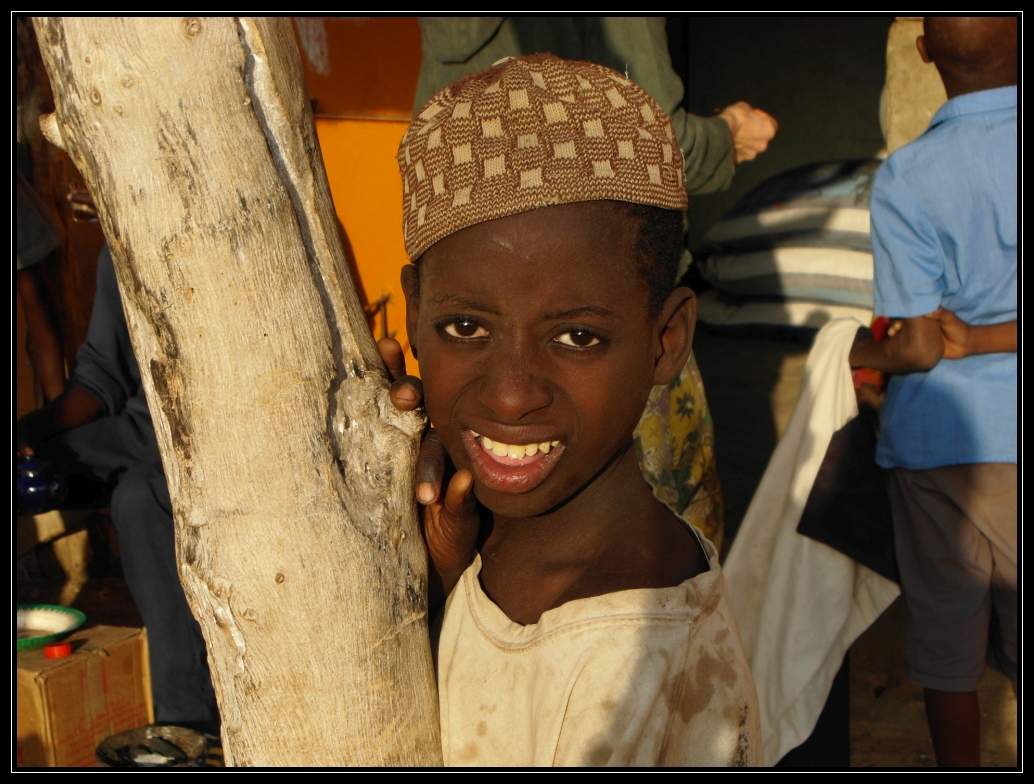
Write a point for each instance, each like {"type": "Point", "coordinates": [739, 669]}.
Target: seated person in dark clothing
{"type": "Point", "coordinates": [99, 429]}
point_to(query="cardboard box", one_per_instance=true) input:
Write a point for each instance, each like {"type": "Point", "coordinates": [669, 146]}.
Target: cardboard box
{"type": "Point", "coordinates": [66, 707]}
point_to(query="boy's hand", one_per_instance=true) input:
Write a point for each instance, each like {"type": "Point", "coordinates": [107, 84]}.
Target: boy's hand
{"type": "Point", "coordinates": [752, 130]}
{"type": "Point", "coordinates": [955, 332]}
{"type": "Point", "coordinates": [964, 340]}
{"type": "Point", "coordinates": [450, 522]}
{"type": "Point", "coordinates": [406, 392]}
{"type": "Point", "coordinates": [451, 528]}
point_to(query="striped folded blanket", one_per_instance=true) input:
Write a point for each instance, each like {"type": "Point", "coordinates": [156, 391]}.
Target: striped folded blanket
{"type": "Point", "coordinates": [801, 237]}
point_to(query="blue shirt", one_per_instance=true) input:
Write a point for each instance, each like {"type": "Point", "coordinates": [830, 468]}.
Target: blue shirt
{"type": "Point", "coordinates": [944, 214]}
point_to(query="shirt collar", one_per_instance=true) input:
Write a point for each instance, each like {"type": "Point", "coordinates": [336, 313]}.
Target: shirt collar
{"type": "Point", "coordinates": [976, 103]}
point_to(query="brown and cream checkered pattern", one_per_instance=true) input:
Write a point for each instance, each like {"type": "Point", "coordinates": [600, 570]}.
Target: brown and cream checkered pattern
{"type": "Point", "coordinates": [529, 132]}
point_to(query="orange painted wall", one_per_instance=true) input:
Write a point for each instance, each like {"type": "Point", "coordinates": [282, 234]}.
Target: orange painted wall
{"type": "Point", "coordinates": [361, 74]}
{"type": "Point", "coordinates": [361, 66]}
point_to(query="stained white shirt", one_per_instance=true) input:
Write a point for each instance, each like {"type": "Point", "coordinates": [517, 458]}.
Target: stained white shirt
{"type": "Point", "coordinates": [644, 677]}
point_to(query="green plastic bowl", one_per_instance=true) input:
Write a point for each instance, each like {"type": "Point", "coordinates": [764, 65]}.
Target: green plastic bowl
{"type": "Point", "coordinates": [41, 624]}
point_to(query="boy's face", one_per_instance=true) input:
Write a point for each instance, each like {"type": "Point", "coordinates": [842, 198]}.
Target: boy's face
{"type": "Point", "coordinates": [534, 331]}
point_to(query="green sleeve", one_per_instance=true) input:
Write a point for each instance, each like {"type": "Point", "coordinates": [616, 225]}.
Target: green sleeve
{"type": "Point", "coordinates": [640, 45]}
{"type": "Point", "coordinates": [454, 46]}
{"type": "Point", "coordinates": [706, 144]}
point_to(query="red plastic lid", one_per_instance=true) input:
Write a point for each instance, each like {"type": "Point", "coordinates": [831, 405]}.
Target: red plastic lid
{"type": "Point", "coordinates": [58, 650]}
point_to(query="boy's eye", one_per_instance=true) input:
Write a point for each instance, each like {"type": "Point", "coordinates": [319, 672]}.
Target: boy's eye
{"type": "Point", "coordinates": [465, 329]}
{"type": "Point", "coordinates": [578, 338]}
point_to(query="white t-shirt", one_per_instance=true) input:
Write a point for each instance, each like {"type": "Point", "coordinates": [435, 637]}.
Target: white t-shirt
{"type": "Point", "coordinates": [645, 677]}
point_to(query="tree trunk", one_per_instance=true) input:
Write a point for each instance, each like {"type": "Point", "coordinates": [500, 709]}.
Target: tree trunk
{"type": "Point", "coordinates": [290, 471]}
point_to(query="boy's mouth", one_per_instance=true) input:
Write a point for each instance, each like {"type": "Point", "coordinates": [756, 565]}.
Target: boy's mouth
{"type": "Point", "coordinates": [511, 468]}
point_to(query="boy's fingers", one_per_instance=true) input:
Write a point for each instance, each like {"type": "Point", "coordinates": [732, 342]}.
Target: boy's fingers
{"type": "Point", "coordinates": [392, 355]}
{"type": "Point", "coordinates": [406, 393]}
{"type": "Point", "coordinates": [457, 523]}
{"type": "Point", "coordinates": [430, 468]}
{"type": "Point", "coordinates": [459, 501]}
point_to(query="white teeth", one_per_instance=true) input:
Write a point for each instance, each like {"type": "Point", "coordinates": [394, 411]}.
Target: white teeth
{"type": "Point", "coordinates": [518, 452]}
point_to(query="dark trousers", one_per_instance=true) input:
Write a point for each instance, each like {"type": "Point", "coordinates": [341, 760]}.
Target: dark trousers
{"type": "Point", "coordinates": [120, 451]}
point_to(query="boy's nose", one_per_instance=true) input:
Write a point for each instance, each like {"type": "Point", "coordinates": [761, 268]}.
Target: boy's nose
{"type": "Point", "coordinates": [511, 388]}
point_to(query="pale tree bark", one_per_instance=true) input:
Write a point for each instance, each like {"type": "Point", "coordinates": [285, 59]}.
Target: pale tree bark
{"type": "Point", "coordinates": [290, 471]}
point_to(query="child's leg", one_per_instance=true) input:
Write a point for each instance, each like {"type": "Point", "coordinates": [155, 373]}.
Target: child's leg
{"type": "Point", "coordinates": [987, 495]}
{"type": "Point", "coordinates": [947, 569]}
{"type": "Point", "coordinates": [954, 718]}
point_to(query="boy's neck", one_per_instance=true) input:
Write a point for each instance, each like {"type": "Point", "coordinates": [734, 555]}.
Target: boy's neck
{"type": "Point", "coordinates": [963, 84]}
{"type": "Point", "coordinates": [613, 535]}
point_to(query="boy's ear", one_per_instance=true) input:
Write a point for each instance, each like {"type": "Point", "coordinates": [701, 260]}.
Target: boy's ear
{"type": "Point", "coordinates": [676, 324]}
{"type": "Point", "coordinates": [411, 290]}
{"type": "Point", "coordinates": [921, 46]}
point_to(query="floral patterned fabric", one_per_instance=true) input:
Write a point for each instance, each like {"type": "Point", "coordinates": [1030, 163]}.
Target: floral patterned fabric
{"type": "Point", "coordinates": [675, 444]}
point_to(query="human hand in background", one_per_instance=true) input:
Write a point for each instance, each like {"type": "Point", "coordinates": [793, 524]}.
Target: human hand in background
{"type": "Point", "coordinates": [963, 340]}
{"type": "Point", "coordinates": [752, 130]}
{"type": "Point", "coordinates": [955, 332]}
{"type": "Point", "coordinates": [912, 345]}
{"type": "Point", "coordinates": [72, 408]}
{"type": "Point", "coordinates": [450, 522]}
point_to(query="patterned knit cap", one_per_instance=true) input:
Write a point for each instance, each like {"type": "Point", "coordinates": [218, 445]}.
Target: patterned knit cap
{"type": "Point", "coordinates": [529, 132]}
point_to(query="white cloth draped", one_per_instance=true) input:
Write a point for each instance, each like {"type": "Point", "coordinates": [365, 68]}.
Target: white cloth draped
{"type": "Point", "coordinates": [800, 604]}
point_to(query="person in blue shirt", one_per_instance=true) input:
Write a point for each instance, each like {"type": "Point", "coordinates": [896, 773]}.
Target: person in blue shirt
{"type": "Point", "coordinates": [944, 215]}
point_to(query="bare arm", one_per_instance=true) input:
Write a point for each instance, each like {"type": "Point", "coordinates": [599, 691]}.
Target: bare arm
{"type": "Point", "coordinates": [45, 344]}
{"type": "Point", "coordinates": [916, 347]}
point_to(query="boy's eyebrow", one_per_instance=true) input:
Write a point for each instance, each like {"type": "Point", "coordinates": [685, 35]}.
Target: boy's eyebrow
{"type": "Point", "coordinates": [464, 303]}
{"type": "Point", "coordinates": [588, 310]}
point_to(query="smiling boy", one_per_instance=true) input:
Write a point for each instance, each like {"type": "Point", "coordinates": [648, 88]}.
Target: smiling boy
{"type": "Point", "coordinates": [587, 624]}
